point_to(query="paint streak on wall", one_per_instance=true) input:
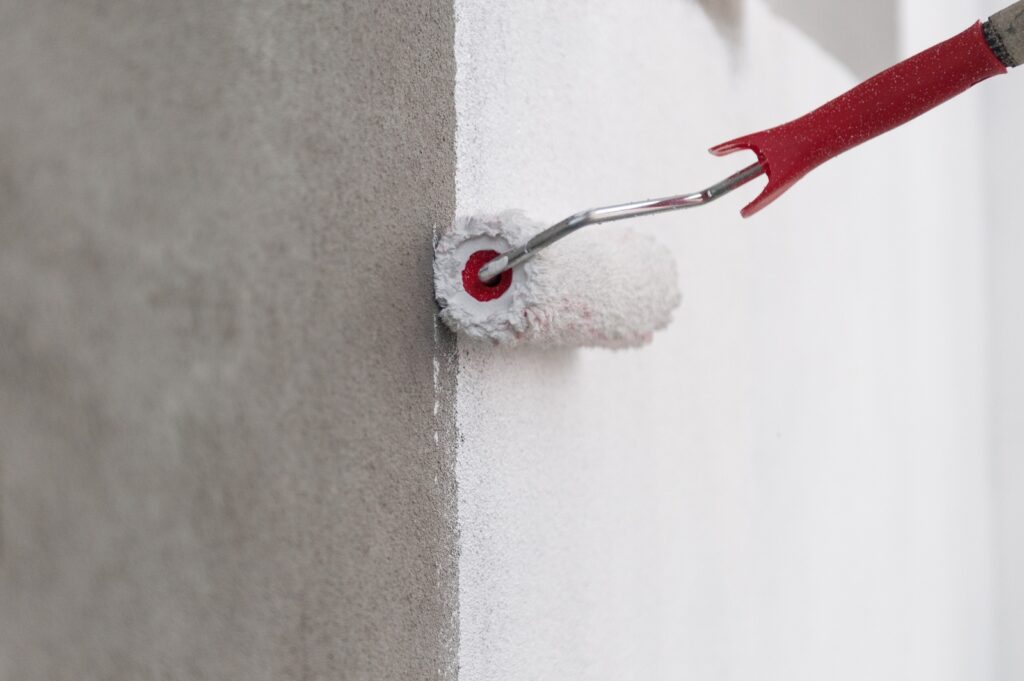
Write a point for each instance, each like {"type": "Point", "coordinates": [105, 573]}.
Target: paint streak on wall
{"type": "Point", "coordinates": [787, 484]}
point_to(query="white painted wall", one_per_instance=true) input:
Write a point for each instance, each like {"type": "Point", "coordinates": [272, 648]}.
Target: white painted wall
{"type": "Point", "coordinates": [792, 482]}
{"type": "Point", "coordinates": [1004, 158]}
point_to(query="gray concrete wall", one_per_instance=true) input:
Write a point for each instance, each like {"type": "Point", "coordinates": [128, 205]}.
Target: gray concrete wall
{"type": "Point", "coordinates": [220, 454]}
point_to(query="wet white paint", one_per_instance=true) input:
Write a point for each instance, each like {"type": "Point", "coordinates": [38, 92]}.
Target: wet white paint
{"type": "Point", "coordinates": [787, 483]}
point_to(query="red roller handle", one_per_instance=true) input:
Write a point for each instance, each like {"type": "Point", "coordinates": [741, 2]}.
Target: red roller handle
{"type": "Point", "coordinates": [876, 106]}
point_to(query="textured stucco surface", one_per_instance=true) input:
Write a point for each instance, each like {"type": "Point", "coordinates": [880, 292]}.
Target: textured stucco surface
{"type": "Point", "coordinates": [224, 438]}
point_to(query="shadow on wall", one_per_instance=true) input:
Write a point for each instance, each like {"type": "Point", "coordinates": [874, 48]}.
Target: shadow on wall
{"type": "Point", "coordinates": [864, 35]}
{"type": "Point", "coordinates": [727, 16]}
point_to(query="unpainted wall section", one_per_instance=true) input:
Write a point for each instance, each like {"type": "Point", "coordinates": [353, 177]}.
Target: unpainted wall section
{"type": "Point", "coordinates": [225, 441]}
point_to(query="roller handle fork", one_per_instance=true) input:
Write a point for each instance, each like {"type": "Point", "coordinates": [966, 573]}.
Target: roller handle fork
{"type": "Point", "coordinates": [787, 153]}
{"type": "Point", "coordinates": [890, 99]}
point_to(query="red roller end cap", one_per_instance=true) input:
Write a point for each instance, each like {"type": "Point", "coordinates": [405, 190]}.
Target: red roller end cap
{"type": "Point", "coordinates": [484, 291]}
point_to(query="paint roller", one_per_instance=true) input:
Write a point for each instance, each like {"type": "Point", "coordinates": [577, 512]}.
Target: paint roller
{"type": "Point", "coordinates": [506, 279]}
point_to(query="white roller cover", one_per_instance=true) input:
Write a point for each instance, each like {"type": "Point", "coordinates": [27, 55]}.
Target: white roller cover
{"type": "Point", "coordinates": [602, 287]}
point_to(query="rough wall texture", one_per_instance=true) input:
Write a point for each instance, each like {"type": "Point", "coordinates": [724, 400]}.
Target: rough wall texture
{"type": "Point", "coordinates": [222, 448]}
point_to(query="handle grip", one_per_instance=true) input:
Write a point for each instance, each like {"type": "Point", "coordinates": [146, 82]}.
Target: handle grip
{"type": "Point", "coordinates": [876, 106]}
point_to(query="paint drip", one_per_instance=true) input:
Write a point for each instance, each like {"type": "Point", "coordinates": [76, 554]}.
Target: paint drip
{"type": "Point", "coordinates": [610, 287]}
